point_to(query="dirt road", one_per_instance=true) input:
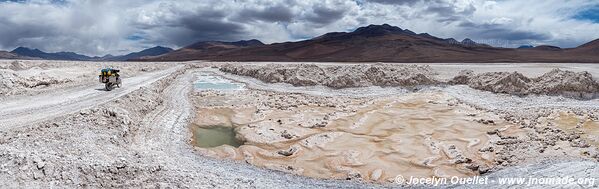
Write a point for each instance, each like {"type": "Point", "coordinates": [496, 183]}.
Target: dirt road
{"type": "Point", "coordinates": [31, 109]}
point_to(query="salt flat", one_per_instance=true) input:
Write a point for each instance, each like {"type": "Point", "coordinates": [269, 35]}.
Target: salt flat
{"type": "Point", "coordinates": [140, 135]}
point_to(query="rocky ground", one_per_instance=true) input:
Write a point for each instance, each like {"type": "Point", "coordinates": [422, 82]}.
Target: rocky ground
{"type": "Point", "coordinates": [139, 136]}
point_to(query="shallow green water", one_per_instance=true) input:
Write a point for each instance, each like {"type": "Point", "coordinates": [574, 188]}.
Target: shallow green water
{"type": "Point", "coordinates": [214, 136]}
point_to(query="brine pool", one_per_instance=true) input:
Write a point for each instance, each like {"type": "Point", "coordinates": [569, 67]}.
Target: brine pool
{"type": "Point", "coordinates": [206, 81]}
{"type": "Point", "coordinates": [214, 136]}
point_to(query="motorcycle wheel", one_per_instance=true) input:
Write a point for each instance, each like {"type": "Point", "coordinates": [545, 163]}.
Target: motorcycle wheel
{"type": "Point", "coordinates": [108, 86]}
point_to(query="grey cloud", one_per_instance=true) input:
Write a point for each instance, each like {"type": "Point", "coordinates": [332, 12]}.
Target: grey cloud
{"type": "Point", "coordinates": [278, 13]}
{"type": "Point", "coordinates": [395, 2]}
{"type": "Point", "coordinates": [324, 15]}
{"type": "Point", "coordinates": [497, 31]}
{"type": "Point", "coordinates": [200, 28]}
{"type": "Point", "coordinates": [52, 26]}
{"type": "Point", "coordinates": [201, 24]}
{"type": "Point", "coordinates": [448, 12]}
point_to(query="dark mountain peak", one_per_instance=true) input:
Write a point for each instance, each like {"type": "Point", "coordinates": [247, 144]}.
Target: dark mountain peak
{"type": "Point", "coordinates": [248, 43]}
{"type": "Point", "coordinates": [26, 50]}
{"type": "Point", "coordinates": [372, 31]}
{"type": "Point", "coordinates": [21, 49]}
{"type": "Point", "coordinates": [547, 48]}
{"type": "Point", "coordinates": [451, 41]}
{"type": "Point", "coordinates": [161, 47]}
{"type": "Point", "coordinates": [377, 30]}
{"type": "Point", "coordinates": [105, 57]}
{"type": "Point", "coordinates": [426, 35]}
{"type": "Point", "coordinates": [379, 27]}
{"type": "Point", "coordinates": [413, 33]}
{"type": "Point", "coordinates": [468, 41]}
{"type": "Point", "coordinates": [67, 53]}
{"type": "Point", "coordinates": [157, 49]}
{"type": "Point", "coordinates": [222, 44]}
{"type": "Point", "coordinates": [154, 51]}
{"type": "Point", "coordinates": [526, 46]}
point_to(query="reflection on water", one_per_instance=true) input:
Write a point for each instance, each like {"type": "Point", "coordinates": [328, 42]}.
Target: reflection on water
{"type": "Point", "coordinates": [208, 137]}
{"type": "Point", "coordinates": [210, 82]}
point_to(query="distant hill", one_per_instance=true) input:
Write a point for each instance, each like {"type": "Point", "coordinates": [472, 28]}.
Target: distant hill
{"type": "Point", "coordinates": [590, 47]}
{"type": "Point", "coordinates": [204, 45]}
{"type": "Point", "coordinates": [9, 55]}
{"type": "Point", "coordinates": [36, 53]}
{"type": "Point", "coordinates": [379, 43]}
{"type": "Point", "coordinates": [24, 52]}
{"type": "Point", "coordinates": [205, 48]}
{"type": "Point", "coordinates": [154, 51]}
{"type": "Point", "coordinates": [526, 47]}
{"type": "Point", "coordinates": [547, 47]}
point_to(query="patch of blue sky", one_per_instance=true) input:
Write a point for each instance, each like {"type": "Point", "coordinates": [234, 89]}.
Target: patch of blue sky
{"type": "Point", "coordinates": [590, 14]}
{"type": "Point", "coordinates": [135, 38]}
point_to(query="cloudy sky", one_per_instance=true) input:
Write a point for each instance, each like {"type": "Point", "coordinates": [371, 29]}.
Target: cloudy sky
{"type": "Point", "coordinates": [98, 27]}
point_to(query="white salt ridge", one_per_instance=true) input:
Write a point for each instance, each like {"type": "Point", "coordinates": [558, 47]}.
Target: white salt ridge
{"type": "Point", "coordinates": [317, 90]}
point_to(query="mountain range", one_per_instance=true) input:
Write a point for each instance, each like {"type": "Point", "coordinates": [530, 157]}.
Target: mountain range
{"type": "Point", "coordinates": [27, 53]}
{"type": "Point", "coordinates": [204, 49]}
{"type": "Point", "coordinates": [378, 43]}
{"type": "Point", "coordinates": [373, 43]}
{"type": "Point", "coordinates": [154, 51]}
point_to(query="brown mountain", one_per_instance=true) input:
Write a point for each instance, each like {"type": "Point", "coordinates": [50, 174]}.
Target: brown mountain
{"type": "Point", "coordinates": [590, 47]}
{"type": "Point", "coordinates": [9, 55]}
{"type": "Point", "coordinates": [379, 43]}
{"type": "Point", "coordinates": [205, 48]}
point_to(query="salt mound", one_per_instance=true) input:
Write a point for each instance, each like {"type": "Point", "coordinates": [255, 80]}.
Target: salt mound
{"type": "Point", "coordinates": [501, 82]}
{"type": "Point", "coordinates": [566, 82]}
{"type": "Point", "coordinates": [11, 83]}
{"type": "Point", "coordinates": [555, 82]}
{"type": "Point", "coordinates": [17, 65]}
{"type": "Point", "coordinates": [462, 78]}
{"type": "Point", "coordinates": [338, 76]}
